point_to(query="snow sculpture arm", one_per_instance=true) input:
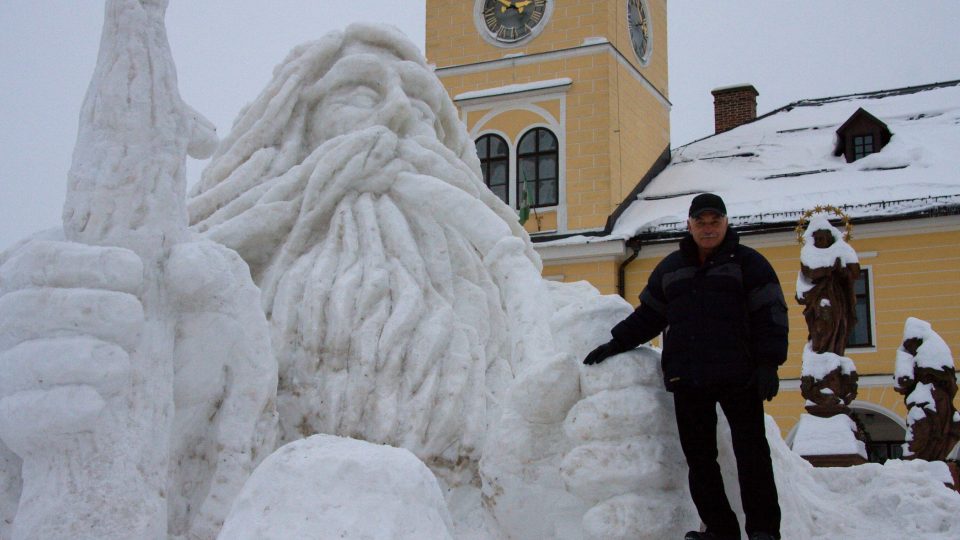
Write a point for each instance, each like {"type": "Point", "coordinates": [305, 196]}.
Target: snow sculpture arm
{"type": "Point", "coordinates": [225, 382]}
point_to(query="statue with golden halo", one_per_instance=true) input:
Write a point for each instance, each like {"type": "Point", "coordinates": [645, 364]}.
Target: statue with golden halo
{"type": "Point", "coordinates": [829, 268]}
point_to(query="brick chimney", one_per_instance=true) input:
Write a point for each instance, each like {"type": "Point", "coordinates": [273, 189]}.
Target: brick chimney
{"type": "Point", "coordinates": [733, 106]}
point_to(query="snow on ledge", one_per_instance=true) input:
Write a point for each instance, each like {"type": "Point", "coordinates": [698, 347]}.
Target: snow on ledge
{"type": "Point", "coordinates": [827, 436]}
{"type": "Point", "coordinates": [515, 89]}
{"type": "Point", "coordinates": [596, 40]}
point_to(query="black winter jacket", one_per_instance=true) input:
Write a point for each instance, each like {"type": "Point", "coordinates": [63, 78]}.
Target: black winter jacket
{"type": "Point", "coordinates": [719, 320]}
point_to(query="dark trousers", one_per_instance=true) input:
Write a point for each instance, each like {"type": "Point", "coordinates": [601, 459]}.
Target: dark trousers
{"type": "Point", "coordinates": [697, 423]}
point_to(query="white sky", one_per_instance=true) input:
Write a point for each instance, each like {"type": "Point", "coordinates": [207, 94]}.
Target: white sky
{"type": "Point", "coordinates": [226, 49]}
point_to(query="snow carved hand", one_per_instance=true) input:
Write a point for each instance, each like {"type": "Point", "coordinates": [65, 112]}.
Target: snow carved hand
{"type": "Point", "coordinates": [69, 319]}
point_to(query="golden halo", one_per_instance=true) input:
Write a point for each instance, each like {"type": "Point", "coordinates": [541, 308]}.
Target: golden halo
{"type": "Point", "coordinates": [819, 209]}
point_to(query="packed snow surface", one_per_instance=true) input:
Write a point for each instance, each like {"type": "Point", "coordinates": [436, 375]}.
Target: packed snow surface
{"type": "Point", "coordinates": [332, 487]}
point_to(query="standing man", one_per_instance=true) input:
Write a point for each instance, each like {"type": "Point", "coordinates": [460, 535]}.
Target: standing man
{"type": "Point", "coordinates": [720, 308]}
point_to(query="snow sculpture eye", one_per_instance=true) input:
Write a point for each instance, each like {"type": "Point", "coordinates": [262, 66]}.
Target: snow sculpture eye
{"type": "Point", "coordinates": [357, 97]}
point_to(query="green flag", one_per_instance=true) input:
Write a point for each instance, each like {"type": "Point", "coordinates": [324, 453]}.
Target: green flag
{"type": "Point", "coordinates": [525, 199]}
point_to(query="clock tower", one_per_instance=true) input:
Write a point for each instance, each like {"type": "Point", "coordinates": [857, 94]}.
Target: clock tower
{"type": "Point", "coordinates": [567, 102]}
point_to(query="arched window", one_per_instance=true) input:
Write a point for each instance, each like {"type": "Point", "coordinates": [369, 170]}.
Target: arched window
{"type": "Point", "coordinates": [538, 167]}
{"type": "Point", "coordinates": [494, 162]}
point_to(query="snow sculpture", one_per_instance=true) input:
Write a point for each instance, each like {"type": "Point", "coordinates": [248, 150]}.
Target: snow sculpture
{"type": "Point", "coordinates": [927, 378]}
{"type": "Point", "coordinates": [825, 287]}
{"type": "Point", "coordinates": [128, 414]}
{"type": "Point", "coordinates": [583, 463]}
{"type": "Point", "coordinates": [402, 295]}
{"type": "Point", "coordinates": [331, 487]}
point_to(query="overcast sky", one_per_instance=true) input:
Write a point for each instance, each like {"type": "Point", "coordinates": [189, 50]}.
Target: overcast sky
{"type": "Point", "coordinates": [226, 49]}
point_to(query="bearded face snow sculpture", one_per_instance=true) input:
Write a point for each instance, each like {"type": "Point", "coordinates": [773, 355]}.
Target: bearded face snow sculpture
{"type": "Point", "coordinates": [354, 194]}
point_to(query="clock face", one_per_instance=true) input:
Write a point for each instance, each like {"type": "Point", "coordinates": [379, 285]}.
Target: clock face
{"type": "Point", "coordinates": [638, 20]}
{"type": "Point", "coordinates": [509, 21]}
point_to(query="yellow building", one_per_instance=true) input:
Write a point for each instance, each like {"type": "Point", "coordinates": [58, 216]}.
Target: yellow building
{"type": "Point", "coordinates": [568, 102]}
{"type": "Point", "coordinates": [574, 103]}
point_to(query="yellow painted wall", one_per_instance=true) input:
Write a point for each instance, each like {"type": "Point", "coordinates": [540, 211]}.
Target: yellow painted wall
{"type": "Point", "coordinates": [512, 123]}
{"type": "Point", "coordinates": [541, 221]}
{"type": "Point", "coordinates": [639, 132]}
{"type": "Point", "coordinates": [915, 275]}
{"type": "Point", "coordinates": [600, 274]}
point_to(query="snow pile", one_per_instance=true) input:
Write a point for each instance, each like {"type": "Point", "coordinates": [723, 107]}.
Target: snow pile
{"type": "Point", "coordinates": [331, 487]}
{"type": "Point", "coordinates": [899, 499]}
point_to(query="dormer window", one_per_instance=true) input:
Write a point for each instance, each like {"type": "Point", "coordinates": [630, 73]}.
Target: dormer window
{"type": "Point", "coordinates": [861, 135]}
{"type": "Point", "coordinates": [862, 146]}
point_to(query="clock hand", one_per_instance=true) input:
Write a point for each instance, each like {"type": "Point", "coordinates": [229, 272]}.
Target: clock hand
{"type": "Point", "coordinates": [521, 5]}
{"type": "Point", "coordinates": [506, 4]}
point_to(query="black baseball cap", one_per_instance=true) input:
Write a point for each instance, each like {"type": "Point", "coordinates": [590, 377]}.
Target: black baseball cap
{"type": "Point", "coordinates": [707, 202]}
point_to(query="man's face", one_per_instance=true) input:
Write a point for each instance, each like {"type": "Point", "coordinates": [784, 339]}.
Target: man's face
{"type": "Point", "coordinates": [708, 230]}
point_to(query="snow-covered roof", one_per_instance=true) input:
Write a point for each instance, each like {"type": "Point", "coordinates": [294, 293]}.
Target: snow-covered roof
{"type": "Point", "coordinates": [773, 169]}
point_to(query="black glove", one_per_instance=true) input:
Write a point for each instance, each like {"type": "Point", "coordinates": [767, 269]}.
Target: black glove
{"type": "Point", "coordinates": [766, 381]}
{"type": "Point", "coordinates": [603, 352]}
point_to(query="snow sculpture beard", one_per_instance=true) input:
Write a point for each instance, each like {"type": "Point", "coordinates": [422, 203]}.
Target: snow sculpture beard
{"type": "Point", "coordinates": [355, 195]}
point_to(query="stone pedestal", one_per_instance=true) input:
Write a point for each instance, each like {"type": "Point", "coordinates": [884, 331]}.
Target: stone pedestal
{"type": "Point", "coordinates": [829, 442]}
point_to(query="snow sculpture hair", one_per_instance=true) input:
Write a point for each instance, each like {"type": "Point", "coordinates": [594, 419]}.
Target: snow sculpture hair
{"type": "Point", "coordinates": [403, 295]}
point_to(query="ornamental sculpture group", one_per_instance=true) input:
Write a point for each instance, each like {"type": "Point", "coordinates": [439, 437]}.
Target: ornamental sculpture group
{"type": "Point", "coordinates": [925, 374]}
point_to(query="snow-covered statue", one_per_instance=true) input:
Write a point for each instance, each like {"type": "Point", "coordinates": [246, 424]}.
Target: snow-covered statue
{"type": "Point", "coordinates": [400, 290]}
{"type": "Point", "coordinates": [137, 384]}
{"type": "Point", "coordinates": [927, 378]}
{"type": "Point", "coordinates": [829, 267]}
{"type": "Point", "coordinates": [828, 270]}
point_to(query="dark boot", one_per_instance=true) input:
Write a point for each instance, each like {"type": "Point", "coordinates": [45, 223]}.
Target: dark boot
{"type": "Point", "coordinates": [695, 535]}
{"type": "Point", "coordinates": [760, 535]}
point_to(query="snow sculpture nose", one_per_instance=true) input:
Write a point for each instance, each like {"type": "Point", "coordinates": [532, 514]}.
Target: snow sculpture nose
{"type": "Point", "coordinates": [404, 116]}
